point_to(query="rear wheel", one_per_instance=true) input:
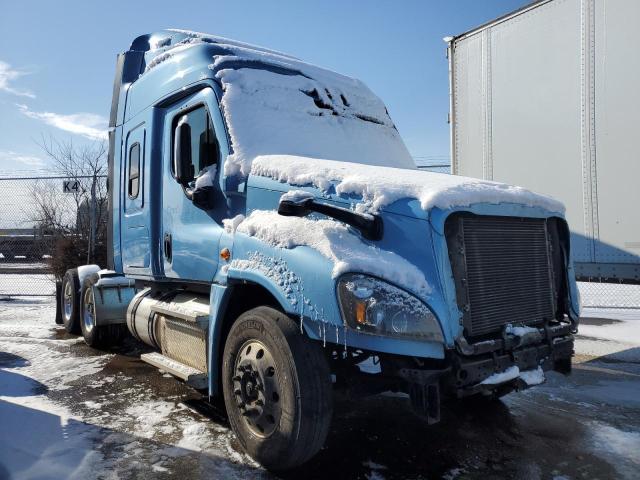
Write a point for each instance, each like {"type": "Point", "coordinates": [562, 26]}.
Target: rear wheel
{"type": "Point", "coordinates": [277, 389]}
{"type": "Point", "coordinates": [70, 301]}
{"type": "Point", "coordinates": [94, 335]}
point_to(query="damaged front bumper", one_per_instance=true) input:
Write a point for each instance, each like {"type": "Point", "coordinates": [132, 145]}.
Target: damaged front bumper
{"type": "Point", "coordinates": [549, 348]}
{"type": "Point", "coordinates": [468, 365]}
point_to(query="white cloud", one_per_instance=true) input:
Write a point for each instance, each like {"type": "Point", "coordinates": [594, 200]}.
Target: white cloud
{"type": "Point", "coordinates": [88, 125]}
{"type": "Point", "coordinates": [11, 158]}
{"type": "Point", "coordinates": [7, 76]}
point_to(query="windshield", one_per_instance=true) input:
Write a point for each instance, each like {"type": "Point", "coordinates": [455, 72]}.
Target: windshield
{"type": "Point", "coordinates": [329, 116]}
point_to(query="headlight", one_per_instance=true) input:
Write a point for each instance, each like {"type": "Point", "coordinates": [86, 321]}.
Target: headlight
{"type": "Point", "coordinates": [373, 306]}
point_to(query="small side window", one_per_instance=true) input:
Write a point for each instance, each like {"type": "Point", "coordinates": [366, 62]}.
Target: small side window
{"type": "Point", "coordinates": [134, 170]}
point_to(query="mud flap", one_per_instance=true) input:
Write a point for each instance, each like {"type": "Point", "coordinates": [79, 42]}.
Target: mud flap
{"type": "Point", "coordinates": [425, 400]}
{"type": "Point", "coordinates": [58, 303]}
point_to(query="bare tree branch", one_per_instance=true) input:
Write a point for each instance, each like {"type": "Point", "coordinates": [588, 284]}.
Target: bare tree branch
{"type": "Point", "coordinates": [68, 215]}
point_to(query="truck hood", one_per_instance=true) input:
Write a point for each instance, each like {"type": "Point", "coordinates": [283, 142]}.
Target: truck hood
{"type": "Point", "coordinates": [372, 189]}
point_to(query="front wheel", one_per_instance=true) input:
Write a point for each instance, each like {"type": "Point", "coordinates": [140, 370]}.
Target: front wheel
{"type": "Point", "coordinates": [277, 389]}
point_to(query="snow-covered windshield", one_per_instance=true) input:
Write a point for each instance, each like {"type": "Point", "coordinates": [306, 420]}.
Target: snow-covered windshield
{"type": "Point", "coordinates": [317, 114]}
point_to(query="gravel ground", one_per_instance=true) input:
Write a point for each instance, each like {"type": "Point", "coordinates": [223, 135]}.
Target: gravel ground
{"type": "Point", "coordinates": [67, 411]}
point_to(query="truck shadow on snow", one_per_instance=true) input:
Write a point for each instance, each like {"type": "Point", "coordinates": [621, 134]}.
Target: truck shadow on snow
{"type": "Point", "coordinates": [38, 439]}
{"type": "Point", "coordinates": [39, 444]}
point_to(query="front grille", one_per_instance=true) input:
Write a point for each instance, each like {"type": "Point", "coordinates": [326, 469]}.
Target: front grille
{"type": "Point", "coordinates": [503, 271]}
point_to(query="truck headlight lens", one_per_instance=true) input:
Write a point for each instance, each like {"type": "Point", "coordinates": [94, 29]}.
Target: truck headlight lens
{"type": "Point", "coordinates": [371, 305]}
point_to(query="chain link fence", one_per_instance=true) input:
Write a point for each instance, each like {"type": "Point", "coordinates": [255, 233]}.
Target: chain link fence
{"type": "Point", "coordinates": [35, 213]}
{"type": "Point", "coordinates": [609, 295]}
{"type": "Point", "coordinates": [435, 167]}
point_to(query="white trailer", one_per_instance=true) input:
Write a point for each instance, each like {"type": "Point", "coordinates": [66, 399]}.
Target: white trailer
{"type": "Point", "coordinates": [548, 97]}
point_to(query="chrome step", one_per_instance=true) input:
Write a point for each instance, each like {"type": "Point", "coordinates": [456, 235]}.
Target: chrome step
{"type": "Point", "coordinates": [192, 376]}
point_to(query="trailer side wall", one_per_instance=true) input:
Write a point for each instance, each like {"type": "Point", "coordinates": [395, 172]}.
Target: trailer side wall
{"type": "Point", "coordinates": [547, 98]}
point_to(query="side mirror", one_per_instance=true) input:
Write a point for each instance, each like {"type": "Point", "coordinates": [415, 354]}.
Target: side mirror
{"type": "Point", "coordinates": [183, 165]}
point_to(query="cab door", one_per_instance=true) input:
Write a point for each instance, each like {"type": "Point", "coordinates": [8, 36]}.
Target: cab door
{"type": "Point", "coordinates": [136, 257]}
{"type": "Point", "coordinates": [190, 234]}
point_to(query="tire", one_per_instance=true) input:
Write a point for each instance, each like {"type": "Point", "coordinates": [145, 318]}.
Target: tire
{"type": "Point", "coordinates": [96, 336]}
{"type": "Point", "coordinates": [267, 359]}
{"type": "Point", "coordinates": [70, 301]}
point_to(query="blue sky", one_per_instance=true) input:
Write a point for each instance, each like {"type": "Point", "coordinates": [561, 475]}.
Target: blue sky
{"type": "Point", "coordinates": [57, 58]}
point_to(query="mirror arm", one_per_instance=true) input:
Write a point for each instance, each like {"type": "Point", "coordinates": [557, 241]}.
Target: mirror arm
{"type": "Point", "coordinates": [371, 226]}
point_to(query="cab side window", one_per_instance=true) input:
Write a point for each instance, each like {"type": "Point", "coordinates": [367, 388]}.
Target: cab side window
{"type": "Point", "coordinates": [134, 171]}
{"type": "Point", "coordinates": [204, 145]}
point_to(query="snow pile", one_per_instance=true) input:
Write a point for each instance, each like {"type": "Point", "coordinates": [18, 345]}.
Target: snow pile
{"type": "Point", "coordinates": [195, 437]}
{"type": "Point", "coordinates": [533, 377]}
{"type": "Point", "coordinates": [207, 177]}
{"type": "Point", "coordinates": [501, 377]}
{"type": "Point", "coordinates": [530, 377]}
{"type": "Point", "coordinates": [520, 331]}
{"type": "Point", "coordinates": [206, 37]}
{"type": "Point", "coordinates": [168, 54]}
{"type": "Point", "coordinates": [231, 224]}
{"type": "Point", "coordinates": [296, 196]}
{"type": "Point", "coordinates": [380, 186]}
{"type": "Point", "coordinates": [149, 416]}
{"type": "Point", "coordinates": [336, 242]}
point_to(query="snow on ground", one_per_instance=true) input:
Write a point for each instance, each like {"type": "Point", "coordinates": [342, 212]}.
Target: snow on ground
{"type": "Point", "coordinates": [623, 328]}
{"type": "Point", "coordinates": [107, 415]}
{"type": "Point", "coordinates": [613, 334]}
{"type": "Point", "coordinates": [618, 443]}
{"type": "Point", "coordinates": [62, 416]}
{"type": "Point", "coordinates": [382, 185]}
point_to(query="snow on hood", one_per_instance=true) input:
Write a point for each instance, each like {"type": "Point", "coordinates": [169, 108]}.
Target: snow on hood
{"type": "Point", "coordinates": [336, 242]}
{"type": "Point", "coordinates": [381, 186]}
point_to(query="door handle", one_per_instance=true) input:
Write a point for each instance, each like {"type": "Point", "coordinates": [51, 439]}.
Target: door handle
{"type": "Point", "coordinates": [168, 254]}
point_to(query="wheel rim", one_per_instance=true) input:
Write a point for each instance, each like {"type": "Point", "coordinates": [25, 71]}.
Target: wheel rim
{"type": "Point", "coordinates": [255, 388]}
{"type": "Point", "coordinates": [67, 300]}
{"type": "Point", "coordinates": [89, 313]}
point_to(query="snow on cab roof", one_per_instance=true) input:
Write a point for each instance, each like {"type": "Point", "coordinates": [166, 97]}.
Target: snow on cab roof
{"type": "Point", "coordinates": [275, 104]}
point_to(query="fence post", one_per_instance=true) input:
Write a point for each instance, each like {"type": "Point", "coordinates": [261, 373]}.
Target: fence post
{"type": "Point", "coordinates": [92, 221]}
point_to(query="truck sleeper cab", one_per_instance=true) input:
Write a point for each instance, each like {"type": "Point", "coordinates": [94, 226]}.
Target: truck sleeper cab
{"type": "Point", "coordinates": [269, 235]}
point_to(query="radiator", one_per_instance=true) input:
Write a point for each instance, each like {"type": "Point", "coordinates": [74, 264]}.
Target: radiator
{"type": "Point", "coordinates": [503, 271]}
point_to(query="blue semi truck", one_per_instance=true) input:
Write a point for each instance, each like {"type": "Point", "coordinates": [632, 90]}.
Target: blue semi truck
{"type": "Point", "coordinates": [271, 238]}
